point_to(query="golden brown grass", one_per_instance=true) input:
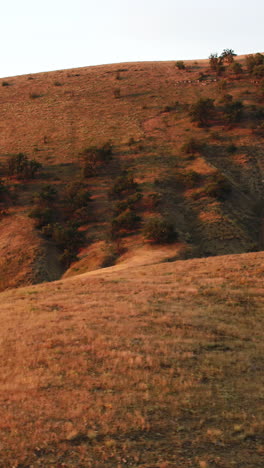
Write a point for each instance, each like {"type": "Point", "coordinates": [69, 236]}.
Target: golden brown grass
{"type": "Point", "coordinates": [147, 130]}
{"type": "Point", "coordinates": [149, 366]}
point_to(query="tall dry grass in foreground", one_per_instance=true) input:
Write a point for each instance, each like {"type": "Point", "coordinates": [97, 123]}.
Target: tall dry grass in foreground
{"type": "Point", "coordinates": [154, 367]}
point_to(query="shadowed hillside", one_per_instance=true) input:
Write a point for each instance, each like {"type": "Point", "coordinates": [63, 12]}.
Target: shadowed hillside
{"type": "Point", "coordinates": [202, 179]}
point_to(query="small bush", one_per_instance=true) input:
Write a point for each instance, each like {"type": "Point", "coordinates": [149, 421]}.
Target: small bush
{"type": "Point", "coordinates": [43, 216]}
{"type": "Point", "coordinates": [47, 194]}
{"type": "Point", "coordinates": [192, 146]}
{"type": "Point", "coordinates": [233, 111]}
{"type": "Point", "coordinates": [5, 83]}
{"type": "Point", "coordinates": [189, 178]}
{"type": "Point", "coordinates": [127, 220]}
{"type": "Point", "coordinates": [67, 257]}
{"type": "Point", "coordinates": [128, 203]}
{"type": "Point", "coordinates": [35, 95]}
{"type": "Point", "coordinates": [218, 187]}
{"type": "Point", "coordinates": [76, 195]}
{"type": "Point", "coordinates": [123, 185]}
{"type": "Point", "coordinates": [117, 93]}
{"type": "Point", "coordinates": [67, 237]}
{"type": "Point", "coordinates": [202, 111]}
{"type": "Point", "coordinates": [231, 148]}
{"type": "Point", "coordinates": [159, 230]}
{"type": "Point", "coordinates": [94, 158]}
{"type": "Point", "coordinates": [22, 167]}
{"type": "Point", "coordinates": [180, 65]}
{"type": "Point", "coordinates": [236, 68]}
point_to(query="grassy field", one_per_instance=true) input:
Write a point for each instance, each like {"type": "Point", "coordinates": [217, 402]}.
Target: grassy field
{"type": "Point", "coordinates": [155, 366]}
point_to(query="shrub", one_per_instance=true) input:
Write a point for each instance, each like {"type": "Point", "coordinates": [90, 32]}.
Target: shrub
{"type": "Point", "coordinates": [76, 195]}
{"type": "Point", "coordinates": [231, 148]}
{"type": "Point", "coordinates": [192, 146]}
{"type": "Point", "coordinates": [47, 194]}
{"type": "Point", "coordinates": [253, 61]}
{"type": "Point", "coordinates": [67, 237]}
{"type": "Point", "coordinates": [159, 230]}
{"type": "Point", "coordinates": [129, 202]}
{"type": "Point", "coordinates": [67, 257]}
{"type": "Point", "coordinates": [35, 95]}
{"type": "Point", "coordinates": [216, 63]}
{"type": "Point", "coordinates": [117, 93]}
{"type": "Point", "coordinates": [218, 187]}
{"type": "Point", "coordinates": [94, 158]}
{"type": "Point", "coordinates": [5, 83]}
{"type": "Point", "coordinates": [189, 178]}
{"type": "Point", "coordinates": [201, 111]}
{"type": "Point", "coordinates": [43, 216]}
{"type": "Point", "coordinates": [228, 55]}
{"type": "Point", "coordinates": [258, 71]}
{"type": "Point", "coordinates": [22, 167]}
{"type": "Point", "coordinates": [233, 111]}
{"type": "Point", "coordinates": [236, 68]}
{"type": "Point", "coordinates": [127, 220]}
{"type": "Point", "coordinates": [180, 65]}
{"type": "Point", "coordinates": [123, 185]}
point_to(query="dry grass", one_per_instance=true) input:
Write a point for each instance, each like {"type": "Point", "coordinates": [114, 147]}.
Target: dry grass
{"type": "Point", "coordinates": [152, 366]}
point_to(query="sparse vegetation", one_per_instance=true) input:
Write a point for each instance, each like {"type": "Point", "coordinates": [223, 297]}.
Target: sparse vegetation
{"type": "Point", "coordinates": [228, 55]}
{"type": "Point", "coordinates": [192, 146]}
{"type": "Point", "coordinates": [201, 111]}
{"type": "Point", "coordinates": [94, 158]}
{"type": "Point", "coordinates": [180, 65]}
{"type": "Point", "coordinates": [22, 167]}
{"type": "Point", "coordinates": [159, 230]}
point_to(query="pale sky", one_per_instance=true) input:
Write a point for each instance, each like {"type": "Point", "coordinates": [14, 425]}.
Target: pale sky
{"type": "Point", "coordinates": [44, 35]}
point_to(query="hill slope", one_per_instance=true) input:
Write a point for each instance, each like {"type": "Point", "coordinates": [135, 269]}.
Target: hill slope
{"type": "Point", "coordinates": [171, 378]}
{"type": "Point", "coordinates": [212, 194]}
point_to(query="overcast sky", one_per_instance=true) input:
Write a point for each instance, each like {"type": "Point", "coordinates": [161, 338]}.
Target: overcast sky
{"type": "Point", "coordinates": [44, 35]}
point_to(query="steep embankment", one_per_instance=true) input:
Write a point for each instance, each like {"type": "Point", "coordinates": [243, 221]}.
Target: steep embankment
{"type": "Point", "coordinates": [155, 366]}
{"type": "Point", "coordinates": [211, 193]}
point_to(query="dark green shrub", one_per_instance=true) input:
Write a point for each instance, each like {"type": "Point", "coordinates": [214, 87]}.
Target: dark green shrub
{"type": "Point", "coordinates": [236, 68]}
{"type": "Point", "coordinates": [130, 202]}
{"type": "Point", "coordinates": [231, 148]}
{"type": "Point", "coordinates": [216, 63]}
{"type": "Point", "coordinates": [20, 166]}
{"type": "Point", "coordinates": [123, 185]}
{"type": "Point", "coordinates": [233, 111]}
{"type": "Point", "coordinates": [180, 65]}
{"type": "Point", "coordinates": [258, 71]}
{"type": "Point", "coordinates": [228, 55]}
{"type": "Point", "coordinates": [5, 83]}
{"type": "Point", "coordinates": [253, 61]}
{"type": "Point", "coordinates": [67, 237]}
{"type": "Point", "coordinates": [192, 146]}
{"type": "Point", "coordinates": [154, 199]}
{"type": "Point", "coordinates": [201, 112]}
{"type": "Point", "coordinates": [35, 95]}
{"type": "Point", "coordinates": [42, 215]}
{"type": "Point", "coordinates": [159, 230]}
{"type": "Point", "coordinates": [47, 194]}
{"type": "Point", "coordinates": [218, 187]}
{"type": "Point", "coordinates": [76, 195]}
{"type": "Point", "coordinates": [67, 257]}
{"type": "Point", "coordinates": [189, 178]}
{"type": "Point", "coordinates": [117, 93]}
{"type": "Point", "coordinates": [127, 220]}
{"type": "Point", "coordinates": [94, 158]}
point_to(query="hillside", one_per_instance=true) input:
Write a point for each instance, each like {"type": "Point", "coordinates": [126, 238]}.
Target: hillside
{"type": "Point", "coordinates": [205, 181]}
{"type": "Point", "coordinates": [171, 378]}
